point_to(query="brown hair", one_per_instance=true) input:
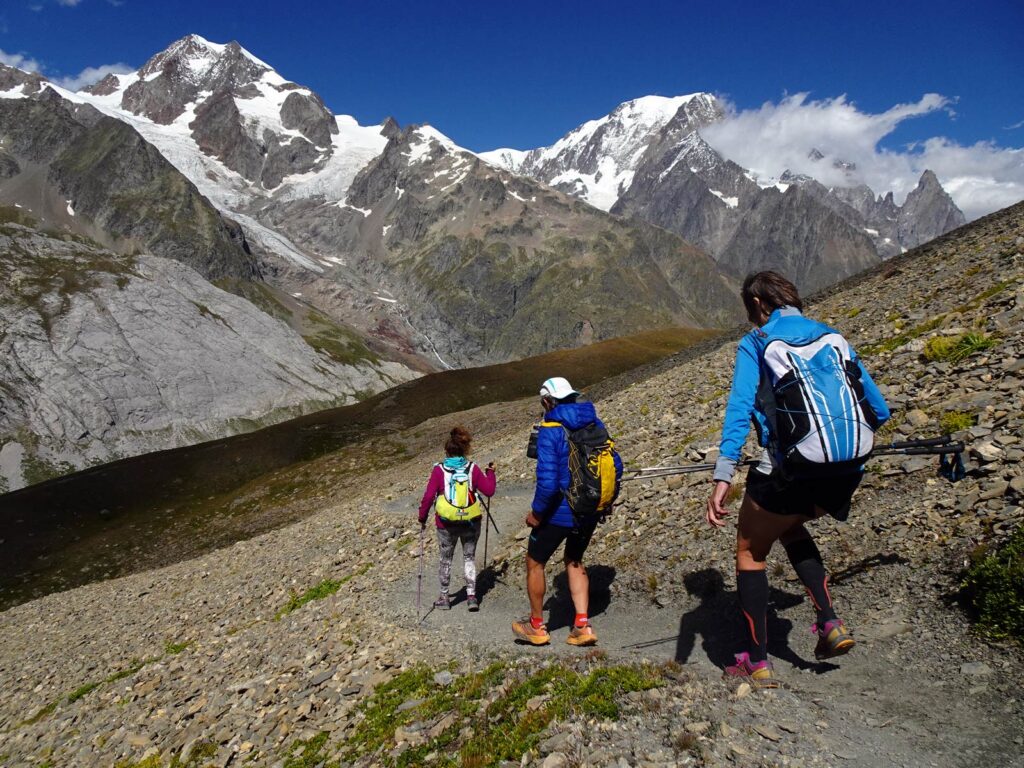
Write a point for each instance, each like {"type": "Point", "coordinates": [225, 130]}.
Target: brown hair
{"type": "Point", "coordinates": [772, 289]}
{"type": "Point", "coordinates": [458, 442]}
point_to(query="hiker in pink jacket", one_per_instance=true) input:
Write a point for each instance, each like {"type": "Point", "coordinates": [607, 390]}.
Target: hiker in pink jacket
{"type": "Point", "coordinates": [453, 494]}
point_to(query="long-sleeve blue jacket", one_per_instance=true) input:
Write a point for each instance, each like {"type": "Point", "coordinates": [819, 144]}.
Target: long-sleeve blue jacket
{"type": "Point", "coordinates": [549, 503]}
{"type": "Point", "coordinates": [789, 324]}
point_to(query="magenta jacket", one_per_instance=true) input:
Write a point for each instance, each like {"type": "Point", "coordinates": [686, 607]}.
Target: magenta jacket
{"type": "Point", "coordinates": [483, 482]}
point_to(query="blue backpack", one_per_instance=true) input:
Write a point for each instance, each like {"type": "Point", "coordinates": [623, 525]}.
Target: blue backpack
{"type": "Point", "coordinates": [813, 398]}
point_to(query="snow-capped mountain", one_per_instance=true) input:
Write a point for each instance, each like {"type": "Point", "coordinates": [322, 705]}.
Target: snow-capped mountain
{"type": "Point", "coordinates": [647, 159]}
{"type": "Point", "coordinates": [596, 161]}
{"type": "Point", "coordinates": [235, 127]}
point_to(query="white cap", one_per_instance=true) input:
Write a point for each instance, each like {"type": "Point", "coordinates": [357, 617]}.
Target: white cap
{"type": "Point", "coordinates": [557, 388]}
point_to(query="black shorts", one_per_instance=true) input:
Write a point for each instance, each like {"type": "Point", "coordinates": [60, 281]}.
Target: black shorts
{"type": "Point", "coordinates": [545, 538]}
{"type": "Point", "coordinates": [800, 495]}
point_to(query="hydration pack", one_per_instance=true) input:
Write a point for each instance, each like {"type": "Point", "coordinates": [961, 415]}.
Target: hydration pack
{"type": "Point", "coordinates": [813, 398]}
{"type": "Point", "coordinates": [593, 485]}
{"type": "Point", "coordinates": [458, 503]}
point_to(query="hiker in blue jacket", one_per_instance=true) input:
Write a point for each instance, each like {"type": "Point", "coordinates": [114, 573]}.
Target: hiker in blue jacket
{"type": "Point", "coordinates": [550, 518]}
{"type": "Point", "coordinates": [780, 500]}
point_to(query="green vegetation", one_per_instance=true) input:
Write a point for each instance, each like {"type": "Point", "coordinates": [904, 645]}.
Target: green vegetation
{"type": "Point", "coordinates": [325, 588]}
{"type": "Point", "coordinates": [954, 349]}
{"type": "Point", "coordinates": [993, 589]}
{"type": "Point", "coordinates": [173, 649]}
{"type": "Point", "coordinates": [506, 728]}
{"type": "Point", "coordinates": [895, 342]}
{"type": "Point", "coordinates": [852, 313]}
{"type": "Point", "coordinates": [955, 421]}
{"type": "Point", "coordinates": [337, 343]}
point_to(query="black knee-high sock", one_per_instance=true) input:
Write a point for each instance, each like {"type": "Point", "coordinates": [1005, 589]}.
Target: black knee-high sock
{"type": "Point", "coordinates": [752, 587]}
{"type": "Point", "coordinates": [806, 560]}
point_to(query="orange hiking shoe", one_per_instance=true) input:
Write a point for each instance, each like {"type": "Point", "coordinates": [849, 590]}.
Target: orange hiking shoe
{"type": "Point", "coordinates": [834, 639]}
{"type": "Point", "coordinates": [526, 632]}
{"type": "Point", "coordinates": [584, 635]}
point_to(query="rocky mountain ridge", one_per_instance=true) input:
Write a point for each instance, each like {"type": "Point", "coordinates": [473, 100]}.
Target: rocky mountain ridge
{"type": "Point", "coordinates": [305, 643]}
{"type": "Point", "coordinates": [644, 161]}
{"type": "Point", "coordinates": [264, 150]}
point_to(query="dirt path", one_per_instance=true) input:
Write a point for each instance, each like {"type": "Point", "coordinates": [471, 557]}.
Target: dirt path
{"type": "Point", "coordinates": [900, 698]}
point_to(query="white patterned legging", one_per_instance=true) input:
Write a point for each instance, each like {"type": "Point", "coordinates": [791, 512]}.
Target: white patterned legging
{"type": "Point", "coordinates": [468, 534]}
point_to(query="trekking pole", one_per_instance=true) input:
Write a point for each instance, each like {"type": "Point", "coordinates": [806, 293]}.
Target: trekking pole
{"type": "Point", "coordinates": [933, 446]}
{"type": "Point", "coordinates": [419, 580]}
{"type": "Point", "coordinates": [487, 528]}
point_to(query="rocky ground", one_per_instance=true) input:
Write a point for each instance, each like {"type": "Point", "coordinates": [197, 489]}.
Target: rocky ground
{"type": "Point", "coordinates": [301, 647]}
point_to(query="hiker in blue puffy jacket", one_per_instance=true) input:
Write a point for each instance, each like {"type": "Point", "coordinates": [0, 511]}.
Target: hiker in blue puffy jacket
{"type": "Point", "coordinates": [815, 409]}
{"type": "Point", "coordinates": [551, 519]}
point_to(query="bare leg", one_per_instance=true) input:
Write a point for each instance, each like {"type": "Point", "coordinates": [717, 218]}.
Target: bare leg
{"type": "Point", "coordinates": [535, 586]}
{"type": "Point", "coordinates": [756, 531]}
{"type": "Point", "coordinates": [579, 585]}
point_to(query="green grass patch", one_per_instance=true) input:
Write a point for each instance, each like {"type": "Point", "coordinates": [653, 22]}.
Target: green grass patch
{"type": "Point", "coordinates": [955, 421]}
{"type": "Point", "coordinates": [993, 589]}
{"type": "Point", "coordinates": [955, 349]}
{"type": "Point", "coordinates": [173, 649]}
{"type": "Point", "coordinates": [852, 313]}
{"type": "Point", "coordinates": [82, 691]}
{"type": "Point", "coordinates": [325, 588]}
{"type": "Point", "coordinates": [310, 753]}
{"type": "Point", "coordinates": [895, 342]}
{"type": "Point", "coordinates": [503, 730]}
{"type": "Point", "coordinates": [42, 713]}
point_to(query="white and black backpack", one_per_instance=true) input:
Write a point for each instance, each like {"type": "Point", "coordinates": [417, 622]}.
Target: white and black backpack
{"type": "Point", "coordinates": [813, 398]}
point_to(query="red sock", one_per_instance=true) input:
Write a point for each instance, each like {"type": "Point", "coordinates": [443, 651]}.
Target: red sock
{"type": "Point", "coordinates": [536, 622]}
{"type": "Point", "coordinates": [581, 620]}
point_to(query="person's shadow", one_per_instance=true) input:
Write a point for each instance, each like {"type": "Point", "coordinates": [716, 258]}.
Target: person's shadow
{"type": "Point", "coordinates": [718, 621]}
{"type": "Point", "coordinates": [562, 612]}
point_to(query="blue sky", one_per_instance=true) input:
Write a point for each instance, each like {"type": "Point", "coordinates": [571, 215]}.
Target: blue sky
{"type": "Point", "coordinates": [522, 74]}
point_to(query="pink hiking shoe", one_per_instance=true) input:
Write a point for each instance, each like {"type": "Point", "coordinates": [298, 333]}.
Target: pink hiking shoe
{"type": "Point", "coordinates": [759, 673]}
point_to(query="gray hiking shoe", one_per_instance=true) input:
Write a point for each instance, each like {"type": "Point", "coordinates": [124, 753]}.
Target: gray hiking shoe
{"type": "Point", "coordinates": [443, 603]}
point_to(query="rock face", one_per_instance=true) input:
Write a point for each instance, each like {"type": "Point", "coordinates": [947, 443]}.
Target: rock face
{"type": "Point", "coordinates": [106, 355]}
{"type": "Point", "coordinates": [493, 266]}
{"type": "Point", "coordinates": [647, 160]}
{"type": "Point", "coordinates": [98, 176]}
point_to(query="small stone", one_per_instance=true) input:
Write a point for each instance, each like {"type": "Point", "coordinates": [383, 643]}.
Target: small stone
{"type": "Point", "coordinates": [917, 417]}
{"type": "Point", "coordinates": [444, 678]}
{"type": "Point", "coordinates": [743, 690]}
{"type": "Point", "coordinates": [766, 731]}
{"type": "Point", "coordinates": [975, 668]}
{"type": "Point", "coordinates": [698, 728]}
{"type": "Point", "coordinates": [555, 760]}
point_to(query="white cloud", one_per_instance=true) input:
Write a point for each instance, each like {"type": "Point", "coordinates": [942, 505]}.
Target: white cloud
{"type": "Point", "coordinates": [68, 3]}
{"type": "Point", "coordinates": [981, 178]}
{"type": "Point", "coordinates": [87, 76]}
{"type": "Point", "coordinates": [90, 75]}
{"type": "Point", "coordinates": [20, 61]}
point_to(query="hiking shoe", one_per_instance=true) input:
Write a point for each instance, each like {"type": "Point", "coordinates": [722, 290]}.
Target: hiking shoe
{"type": "Point", "coordinates": [834, 639]}
{"type": "Point", "coordinates": [759, 673]}
{"type": "Point", "coordinates": [443, 603]}
{"type": "Point", "coordinates": [582, 636]}
{"type": "Point", "coordinates": [526, 632]}
{"type": "Point", "coordinates": [472, 604]}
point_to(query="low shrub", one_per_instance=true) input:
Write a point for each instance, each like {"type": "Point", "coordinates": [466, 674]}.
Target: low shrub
{"type": "Point", "coordinates": [993, 589]}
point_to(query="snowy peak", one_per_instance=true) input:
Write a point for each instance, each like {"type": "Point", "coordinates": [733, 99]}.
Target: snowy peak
{"type": "Point", "coordinates": [597, 160]}
{"type": "Point", "coordinates": [233, 106]}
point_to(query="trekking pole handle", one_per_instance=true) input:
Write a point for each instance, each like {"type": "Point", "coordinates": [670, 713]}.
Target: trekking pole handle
{"type": "Point", "coordinates": [918, 443]}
